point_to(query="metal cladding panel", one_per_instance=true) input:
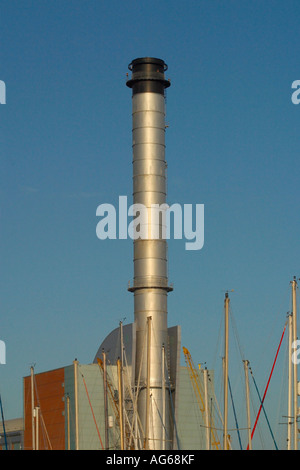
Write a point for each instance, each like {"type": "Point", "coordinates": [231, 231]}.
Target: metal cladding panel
{"type": "Point", "coordinates": [149, 182]}
{"type": "Point", "coordinates": [91, 427]}
{"type": "Point", "coordinates": [148, 102]}
{"type": "Point", "coordinates": [190, 420]}
{"type": "Point", "coordinates": [149, 248]}
{"type": "Point", "coordinates": [149, 118]}
{"type": "Point", "coordinates": [154, 267]}
{"type": "Point", "coordinates": [90, 409]}
{"type": "Point", "coordinates": [150, 152]}
{"type": "Point", "coordinates": [155, 302]}
{"type": "Point", "coordinates": [148, 198]}
{"type": "Point", "coordinates": [155, 305]}
{"type": "Point", "coordinates": [151, 135]}
{"type": "Point", "coordinates": [149, 167]}
{"type": "Point", "coordinates": [70, 393]}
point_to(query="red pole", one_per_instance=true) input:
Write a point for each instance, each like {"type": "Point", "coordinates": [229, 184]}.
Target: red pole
{"type": "Point", "coordinates": [260, 408]}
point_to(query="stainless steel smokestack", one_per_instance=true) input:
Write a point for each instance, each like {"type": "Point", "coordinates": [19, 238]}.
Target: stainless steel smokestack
{"type": "Point", "coordinates": [150, 284]}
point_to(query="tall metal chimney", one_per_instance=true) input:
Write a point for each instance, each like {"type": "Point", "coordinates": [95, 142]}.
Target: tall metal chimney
{"type": "Point", "coordinates": [150, 284]}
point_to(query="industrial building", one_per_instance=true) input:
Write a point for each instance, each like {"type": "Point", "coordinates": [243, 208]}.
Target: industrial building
{"type": "Point", "coordinates": [79, 407]}
{"type": "Point", "coordinates": [134, 394]}
{"type": "Point", "coordinates": [11, 434]}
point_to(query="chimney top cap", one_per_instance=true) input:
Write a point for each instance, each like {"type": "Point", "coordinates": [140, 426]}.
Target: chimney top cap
{"type": "Point", "coordinates": [148, 60]}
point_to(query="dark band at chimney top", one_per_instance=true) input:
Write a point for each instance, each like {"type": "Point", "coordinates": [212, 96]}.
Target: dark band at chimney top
{"type": "Point", "coordinates": [148, 75]}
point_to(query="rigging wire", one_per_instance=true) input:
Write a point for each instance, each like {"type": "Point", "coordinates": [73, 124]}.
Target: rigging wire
{"type": "Point", "coordinates": [240, 352]}
{"type": "Point", "coordinates": [236, 336]}
{"type": "Point", "coordinates": [235, 416]}
{"type": "Point", "coordinates": [264, 396]}
{"type": "Point", "coordinates": [276, 322]}
{"type": "Point", "coordinates": [282, 407]}
{"type": "Point", "coordinates": [172, 405]}
{"type": "Point", "coordinates": [263, 408]}
{"type": "Point", "coordinates": [44, 429]}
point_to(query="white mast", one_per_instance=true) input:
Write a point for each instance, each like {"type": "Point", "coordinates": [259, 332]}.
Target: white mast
{"type": "Point", "coordinates": [163, 389]}
{"type": "Point", "coordinates": [32, 408]}
{"type": "Point", "coordinates": [122, 377]}
{"type": "Point", "coordinates": [36, 412]}
{"type": "Point", "coordinates": [120, 390]}
{"type": "Point", "coordinates": [246, 363]}
{"type": "Point", "coordinates": [225, 445]}
{"type": "Point", "coordinates": [207, 428]}
{"type": "Point", "coordinates": [290, 381]}
{"type": "Point", "coordinates": [294, 286]}
{"type": "Point", "coordinates": [68, 421]}
{"type": "Point", "coordinates": [105, 400]}
{"type": "Point", "coordinates": [76, 403]}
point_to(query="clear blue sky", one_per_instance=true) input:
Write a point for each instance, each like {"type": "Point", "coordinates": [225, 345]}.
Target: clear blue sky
{"type": "Point", "coordinates": [232, 144]}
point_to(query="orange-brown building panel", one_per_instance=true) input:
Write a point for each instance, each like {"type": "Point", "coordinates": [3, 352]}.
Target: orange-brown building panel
{"type": "Point", "coordinates": [49, 397]}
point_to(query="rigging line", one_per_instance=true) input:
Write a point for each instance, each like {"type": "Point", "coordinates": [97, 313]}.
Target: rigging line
{"type": "Point", "coordinates": [92, 410]}
{"type": "Point", "coordinates": [151, 424]}
{"type": "Point", "coordinates": [44, 428]}
{"type": "Point", "coordinates": [138, 382]}
{"type": "Point", "coordinates": [215, 405]}
{"type": "Point", "coordinates": [214, 402]}
{"type": "Point", "coordinates": [127, 389]}
{"type": "Point", "coordinates": [229, 429]}
{"type": "Point", "coordinates": [264, 396]}
{"type": "Point", "coordinates": [237, 342]}
{"type": "Point", "coordinates": [253, 404]}
{"type": "Point", "coordinates": [45, 431]}
{"type": "Point", "coordinates": [161, 419]}
{"type": "Point", "coordinates": [283, 392]}
{"type": "Point", "coordinates": [235, 417]}
{"type": "Point", "coordinates": [277, 318]}
{"type": "Point", "coordinates": [236, 335]}
{"type": "Point", "coordinates": [172, 405]}
{"type": "Point", "coordinates": [132, 400]}
{"type": "Point", "coordinates": [263, 408]}
{"type": "Point", "coordinates": [218, 345]}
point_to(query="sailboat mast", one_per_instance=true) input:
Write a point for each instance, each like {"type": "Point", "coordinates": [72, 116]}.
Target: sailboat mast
{"type": "Point", "coordinates": [226, 302]}
{"type": "Point", "coordinates": [120, 390]}
{"type": "Point", "coordinates": [32, 407]}
{"type": "Point", "coordinates": [105, 400]}
{"type": "Point", "coordinates": [290, 382]}
{"type": "Point", "coordinates": [37, 417]}
{"type": "Point", "coordinates": [246, 363]}
{"type": "Point", "coordinates": [68, 422]}
{"type": "Point", "coordinates": [75, 362]}
{"type": "Point", "coordinates": [207, 430]}
{"type": "Point", "coordinates": [294, 286]}
{"type": "Point", "coordinates": [122, 375]}
{"type": "Point", "coordinates": [163, 389]}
